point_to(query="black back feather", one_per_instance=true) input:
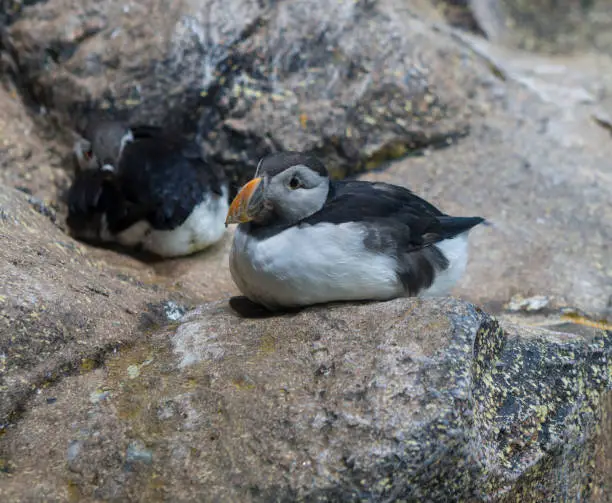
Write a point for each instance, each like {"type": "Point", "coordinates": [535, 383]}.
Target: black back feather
{"type": "Point", "coordinates": [398, 223]}
{"type": "Point", "coordinates": [396, 211]}
{"type": "Point", "coordinates": [395, 221]}
{"type": "Point", "coordinates": [166, 178]}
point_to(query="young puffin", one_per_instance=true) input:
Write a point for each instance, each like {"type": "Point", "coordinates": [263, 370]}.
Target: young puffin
{"type": "Point", "coordinates": [303, 239]}
{"type": "Point", "coordinates": [143, 188]}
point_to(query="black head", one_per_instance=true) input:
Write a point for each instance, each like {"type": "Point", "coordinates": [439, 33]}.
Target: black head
{"type": "Point", "coordinates": [274, 164]}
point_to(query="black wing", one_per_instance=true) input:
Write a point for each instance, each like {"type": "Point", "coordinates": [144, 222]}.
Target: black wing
{"type": "Point", "coordinates": [393, 215]}
{"type": "Point", "coordinates": [162, 178]}
{"type": "Point", "coordinates": [398, 223]}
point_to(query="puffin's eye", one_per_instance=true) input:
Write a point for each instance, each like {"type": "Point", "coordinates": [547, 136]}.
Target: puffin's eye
{"type": "Point", "coordinates": [294, 183]}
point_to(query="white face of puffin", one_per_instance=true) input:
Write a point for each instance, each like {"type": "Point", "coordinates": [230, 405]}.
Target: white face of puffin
{"type": "Point", "coordinates": [291, 195]}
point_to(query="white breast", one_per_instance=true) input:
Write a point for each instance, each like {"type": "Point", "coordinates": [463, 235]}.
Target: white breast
{"type": "Point", "coordinates": [325, 263]}
{"type": "Point", "coordinates": [204, 227]}
{"type": "Point", "coordinates": [311, 264]}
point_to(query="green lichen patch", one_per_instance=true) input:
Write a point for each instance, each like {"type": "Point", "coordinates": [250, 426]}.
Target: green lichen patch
{"type": "Point", "coordinates": [537, 404]}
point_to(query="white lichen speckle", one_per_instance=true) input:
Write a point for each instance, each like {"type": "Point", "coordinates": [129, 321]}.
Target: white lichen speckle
{"type": "Point", "coordinates": [173, 311]}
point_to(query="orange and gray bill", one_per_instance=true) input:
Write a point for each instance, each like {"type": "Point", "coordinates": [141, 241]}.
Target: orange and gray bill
{"type": "Point", "coordinates": [238, 212]}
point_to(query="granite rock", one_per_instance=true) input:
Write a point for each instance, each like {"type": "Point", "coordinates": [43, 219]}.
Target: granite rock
{"type": "Point", "coordinates": [61, 309]}
{"type": "Point", "coordinates": [407, 400]}
{"type": "Point", "coordinates": [356, 82]}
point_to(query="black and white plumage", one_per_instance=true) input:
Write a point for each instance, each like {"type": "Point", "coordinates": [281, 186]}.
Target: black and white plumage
{"type": "Point", "coordinates": [303, 239]}
{"type": "Point", "coordinates": [143, 188]}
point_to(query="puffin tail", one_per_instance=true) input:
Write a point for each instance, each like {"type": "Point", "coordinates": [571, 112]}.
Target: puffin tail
{"type": "Point", "coordinates": [451, 227]}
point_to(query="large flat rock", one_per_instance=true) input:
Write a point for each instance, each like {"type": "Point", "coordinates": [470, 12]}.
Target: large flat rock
{"type": "Point", "coordinates": [399, 401]}
{"type": "Point", "coordinates": [62, 308]}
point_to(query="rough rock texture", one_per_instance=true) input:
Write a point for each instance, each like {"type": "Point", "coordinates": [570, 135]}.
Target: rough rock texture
{"type": "Point", "coordinates": [27, 160]}
{"type": "Point", "coordinates": [10, 9]}
{"type": "Point", "coordinates": [61, 310]}
{"type": "Point", "coordinates": [458, 14]}
{"type": "Point", "coordinates": [551, 26]}
{"type": "Point", "coordinates": [251, 77]}
{"type": "Point", "coordinates": [407, 400]}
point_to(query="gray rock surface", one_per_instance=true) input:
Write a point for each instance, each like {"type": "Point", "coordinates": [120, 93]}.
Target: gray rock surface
{"type": "Point", "coordinates": [27, 159]}
{"type": "Point", "coordinates": [549, 26]}
{"type": "Point", "coordinates": [251, 77]}
{"type": "Point", "coordinates": [406, 400]}
{"type": "Point", "coordinates": [62, 309]}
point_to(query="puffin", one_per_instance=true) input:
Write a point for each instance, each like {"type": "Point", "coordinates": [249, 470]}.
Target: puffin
{"type": "Point", "coordinates": [104, 141]}
{"type": "Point", "coordinates": [303, 239]}
{"type": "Point", "coordinates": [146, 189]}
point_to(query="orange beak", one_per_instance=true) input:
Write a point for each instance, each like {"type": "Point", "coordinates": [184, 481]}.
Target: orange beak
{"type": "Point", "coordinates": [246, 203]}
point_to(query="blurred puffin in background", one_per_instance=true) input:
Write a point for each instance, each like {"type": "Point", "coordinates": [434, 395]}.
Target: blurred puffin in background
{"type": "Point", "coordinates": [145, 189]}
{"type": "Point", "coordinates": [304, 239]}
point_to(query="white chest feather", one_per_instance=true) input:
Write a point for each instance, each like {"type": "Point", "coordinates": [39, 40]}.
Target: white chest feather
{"type": "Point", "coordinates": [310, 265]}
{"type": "Point", "coordinates": [327, 263]}
{"type": "Point", "coordinates": [204, 227]}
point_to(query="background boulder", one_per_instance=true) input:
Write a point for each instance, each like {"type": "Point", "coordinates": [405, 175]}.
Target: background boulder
{"type": "Point", "coordinates": [548, 26]}
{"type": "Point", "coordinates": [357, 82]}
